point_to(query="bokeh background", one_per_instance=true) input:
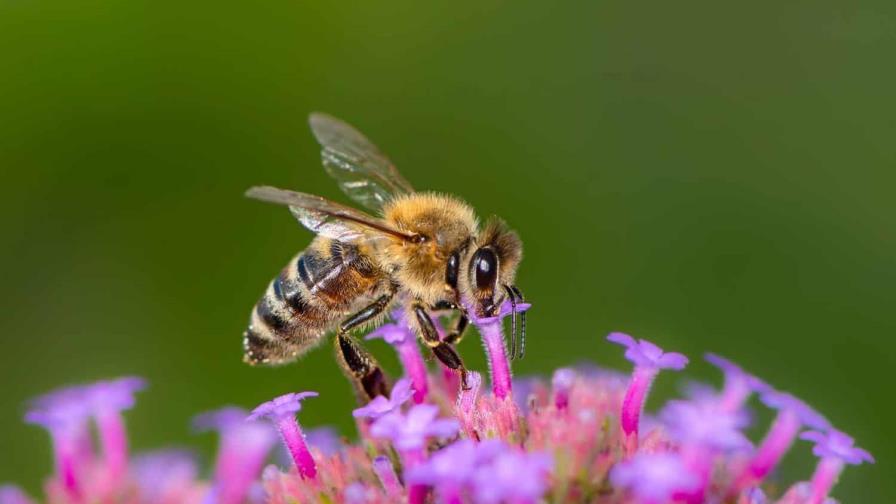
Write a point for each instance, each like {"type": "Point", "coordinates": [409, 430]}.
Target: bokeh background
{"type": "Point", "coordinates": [710, 175]}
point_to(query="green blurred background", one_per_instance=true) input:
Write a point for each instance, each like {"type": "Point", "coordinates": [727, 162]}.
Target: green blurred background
{"type": "Point", "coordinates": [710, 175]}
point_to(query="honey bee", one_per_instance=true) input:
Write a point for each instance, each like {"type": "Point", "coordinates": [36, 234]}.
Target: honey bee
{"type": "Point", "coordinates": [424, 252]}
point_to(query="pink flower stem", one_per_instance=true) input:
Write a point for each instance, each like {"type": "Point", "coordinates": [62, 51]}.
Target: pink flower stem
{"type": "Point", "coordinates": [776, 443]}
{"type": "Point", "coordinates": [67, 447]}
{"type": "Point", "coordinates": [410, 459]}
{"type": "Point", "coordinates": [699, 460]}
{"type": "Point", "coordinates": [382, 466]}
{"type": "Point", "coordinates": [633, 404]}
{"type": "Point", "coordinates": [114, 441]}
{"type": "Point", "coordinates": [499, 366]}
{"type": "Point", "coordinates": [414, 367]}
{"type": "Point", "coordinates": [823, 480]}
{"type": "Point", "coordinates": [295, 443]}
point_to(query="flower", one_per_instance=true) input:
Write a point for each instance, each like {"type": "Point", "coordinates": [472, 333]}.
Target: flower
{"type": "Point", "coordinates": [835, 449]}
{"type": "Point", "coordinates": [565, 443]}
{"type": "Point", "coordinates": [562, 382]}
{"type": "Point", "coordinates": [242, 449]}
{"type": "Point", "coordinates": [837, 445]}
{"type": "Point", "coordinates": [491, 330]}
{"type": "Point", "coordinates": [282, 412]}
{"type": "Point", "coordinates": [646, 354]}
{"type": "Point", "coordinates": [400, 336]}
{"type": "Point", "coordinates": [792, 415]}
{"type": "Point", "coordinates": [697, 424]}
{"type": "Point", "coordinates": [738, 383]}
{"type": "Point", "coordinates": [654, 478]}
{"type": "Point", "coordinates": [11, 494]}
{"type": "Point", "coordinates": [380, 406]}
{"type": "Point", "coordinates": [649, 359]}
{"type": "Point", "coordinates": [512, 475]}
{"type": "Point", "coordinates": [410, 431]}
{"type": "Point", "coordinates": [166, 476]}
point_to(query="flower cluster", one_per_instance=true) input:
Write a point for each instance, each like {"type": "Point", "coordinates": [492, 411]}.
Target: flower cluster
{"type": "Point", "coordinates": [582, 436]}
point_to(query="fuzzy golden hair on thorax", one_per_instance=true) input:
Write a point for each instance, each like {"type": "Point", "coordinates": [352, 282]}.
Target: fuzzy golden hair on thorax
{"type": "Point", "coordinates": [446, 222]}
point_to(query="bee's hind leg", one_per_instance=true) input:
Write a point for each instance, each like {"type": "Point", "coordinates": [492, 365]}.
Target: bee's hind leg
{"type": "Point", "coordinates": [444, 351]}
{"type": "Point", "coordinates": [359, 365]}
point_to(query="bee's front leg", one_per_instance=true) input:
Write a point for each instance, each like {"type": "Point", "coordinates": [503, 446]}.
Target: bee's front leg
{"type": "Point", "coordinates": [446, 353]}
{"type": "Point", "coordinates": [460, 324]}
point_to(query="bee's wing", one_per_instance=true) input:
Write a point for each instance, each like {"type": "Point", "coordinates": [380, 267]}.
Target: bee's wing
{"type": "Point", "coordinates": [364, 173]}
{"type": "Point", "coordinates": [328, 218]}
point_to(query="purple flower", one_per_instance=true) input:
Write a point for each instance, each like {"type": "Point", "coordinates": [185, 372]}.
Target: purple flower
{"type": "Point", "coordinates": [65, 413]}
{"type": "Point", "coordinates": [646, 354]}
{"type": "Point", "coordinates": [448, 470]}
{"type": "Point", "coordinates": [325, 439]}
{"type": "Point", "coordinates": [382, 466]}
{"type": "Point", "coordinates": [512, 475]}
{"type": "Point", "coordinates": [242, 450]}
{"type": "Point", "coordinates": [782, 401]}
{"type": "Point", "coordinates": [381, 406]}
{"type": "Point", "coordinates": [838, 445]}
{"type": "Point", "coordinates": [738, 383]}
{"type": "Point", "coordinates": [562, 382]}
{"type": "Point", "coordinates": [164, 476]}
{"type": "Point", "coordinates": [11, 494]}
{"type": "Point", "coordinates": [649, 359]}
{"type": "Point", "coordinates": [835, 449]}
{"type": "Point", "coordinates": [107, 399]}
{"type": "Point", "coordinates": [492, 332]}
{"type": "Point", "coordinates": [792, 415]}
{"type": "Point", "coordinates": [654, 478]}
{"type": "Point", "coordinates": [410, 431]}
{"type": "Point", "coordinates": [282, 412]}
{"type": "Point", "coordinates": [285, 406]}
{"type": "Point", "coordinates": [698, 424]}
{"type": "Point", "coordinates": [393, 334]}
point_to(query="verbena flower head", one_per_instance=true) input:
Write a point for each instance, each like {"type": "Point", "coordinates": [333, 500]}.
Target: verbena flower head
{"type": "Point", "coordinates": [576, 437]}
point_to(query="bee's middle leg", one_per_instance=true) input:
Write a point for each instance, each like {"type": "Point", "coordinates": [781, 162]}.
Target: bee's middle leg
{"type": "Point", "coordinates": [357, 363]}
{"type": "Point", "coordinates": [444, 351]}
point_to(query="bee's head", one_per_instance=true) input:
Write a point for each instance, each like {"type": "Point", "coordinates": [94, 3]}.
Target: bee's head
{"type": "Point", "coordinates": [491, 268]}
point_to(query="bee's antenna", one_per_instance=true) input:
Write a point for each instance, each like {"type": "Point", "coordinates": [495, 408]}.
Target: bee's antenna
{"type": "Point", "coordinates": [522, 322]}
{"type": "Point", "coordinates": [511, 295]}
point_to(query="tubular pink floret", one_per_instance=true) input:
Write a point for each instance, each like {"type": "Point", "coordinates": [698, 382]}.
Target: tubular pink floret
{"type": "Point", "coordinates": [65, 413]}
{"type": "Point", "coordinates": [381, 406]}
{"type": "Point", "coordinates": [835, 449]}
{"type": "Point", "coordinates": [405, 343]}
{"type": "Point", "coordinates": [242, 449]}
{"type": "Point", "coordinates": [282, 412]}
{"type": "Point", "coordinates": [562, 383]}
{"type": "Point", "coordinates": [492, 331]}
{"type": "Point", "coordinates": [738, 383]}
{"type": "Point", "coordinates": [107, 399]}
{"type": "Point", "coordinates": [385, 472]}
{"type": "Point", "coordinates": [649, 359]}
{"type": "Point", "coordinates": [654, 478]}
{"type": "Point", "coordinates": [793, 414]}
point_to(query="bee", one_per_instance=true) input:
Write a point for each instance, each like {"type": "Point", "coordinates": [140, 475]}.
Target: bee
{"type": "Point", "coordinates": [422, 252]}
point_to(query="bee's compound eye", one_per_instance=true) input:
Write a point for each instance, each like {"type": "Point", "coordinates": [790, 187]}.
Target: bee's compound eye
{"type": "Point", "coordinates": [485, 265]}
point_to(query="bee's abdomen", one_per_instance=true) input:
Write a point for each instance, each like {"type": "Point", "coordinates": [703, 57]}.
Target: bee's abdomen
{"type": "Point", "coordinates": [311, 293]}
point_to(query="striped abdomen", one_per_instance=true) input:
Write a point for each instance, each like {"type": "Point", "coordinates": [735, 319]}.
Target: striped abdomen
{"type": "Point", "coordinates": [321, 286]}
